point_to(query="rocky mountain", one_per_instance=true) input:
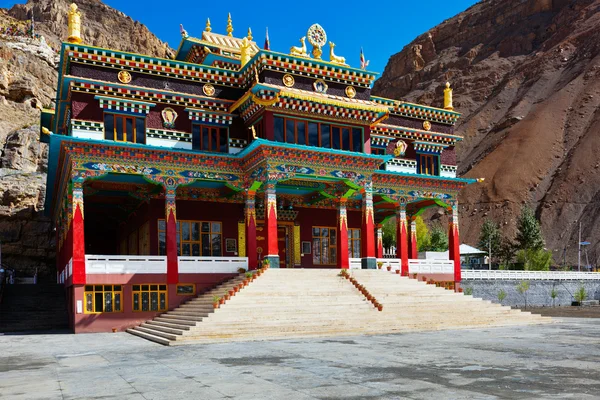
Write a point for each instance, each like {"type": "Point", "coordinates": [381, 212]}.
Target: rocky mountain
{"type": "Point", "coordinates": [525, 75]}
{"type": "Point", "coordinates": [28, 76]}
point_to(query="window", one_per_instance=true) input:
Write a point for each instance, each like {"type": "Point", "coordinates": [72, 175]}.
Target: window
{"type": "Point", "coordinates": [186, 289]}
{"type": "Point", "coordinates": [149, 297]}
{"type": "Point", "coordinates": [427, 164]}
{"type": "Point", "coordinates": [209, 138]}
{"type": "Point", "coordinates": [103, 298]}
{"type": "Point", "coordinates": [194, 238]}
{"type": "Point", "coordinates": [124, 128]}
{"type": "Point", "coordinates": [290, 130]}
{"type": "Point", "coordinates": [324, 246]}
{"type": "Point", "coordinates": [354, 243]}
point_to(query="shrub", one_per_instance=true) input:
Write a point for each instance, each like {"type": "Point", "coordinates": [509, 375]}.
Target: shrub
{"type": "Point", "coordinates": [501, 295]}
{"type": "Point", "coordinates": [241, 270]}
{"type": "Point", "coordinates": [469, 291]}
{"type": "Point", "coordinates": [522, 288]}
{"type": "Point", "coordinates": [580, 295]}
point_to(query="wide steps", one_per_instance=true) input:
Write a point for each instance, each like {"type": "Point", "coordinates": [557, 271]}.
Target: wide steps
{"type": "Point", "coordinates": [319, 303]}
{"type": "Point", "coordinates": [149, 336]}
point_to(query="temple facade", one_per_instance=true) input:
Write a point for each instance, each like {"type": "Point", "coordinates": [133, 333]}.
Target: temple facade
{"type": "Point", "coordinates": [166, 176]}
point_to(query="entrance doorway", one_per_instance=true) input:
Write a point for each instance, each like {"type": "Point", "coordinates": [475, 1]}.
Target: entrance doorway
{"type": "Point", "coordinates": [285, 240]}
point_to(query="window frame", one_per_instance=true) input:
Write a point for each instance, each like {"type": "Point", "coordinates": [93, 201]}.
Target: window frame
{"type": "Point", "coordinates": [331, 248]}
{"type": "Point", "coordinates": [197, 143]}
{"type": "Point", "coordinates": [181, 242]}
{"type": "Point", "coordinates": [124, 118]}
{"type": "Point", "coordinates": [94, 291]}
{"type": "Point", "coordinates": [164, 290]}
{"type": "Point", "coordinates": [354, 243]}
{"type": "Point", "coordinates": [432, 161]}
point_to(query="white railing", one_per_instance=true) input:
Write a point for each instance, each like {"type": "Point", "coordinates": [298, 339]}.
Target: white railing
{"type": "Point", "coordinates": [529, 275]}
{"type": "Point", "coordinates": [95, 264]}
{"type": "Point", "coordinates": [211, 265]}
{"type": "Point", "coordinates": [430, 266]}
{"type": "Point", "coordinates": [355, 263]}
{"type": "Point", "coordinates": [394, 263]}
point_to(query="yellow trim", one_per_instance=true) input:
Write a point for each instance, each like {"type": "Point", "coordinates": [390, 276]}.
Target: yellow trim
{"type": "Point", "coordinates": [150, 291]}
{"type": "Point", "coordinates": [93, 292]}
{"type": "Point", "coordinates": [193, 285]}
{"type": "Point", "coordinates": [241, 239]}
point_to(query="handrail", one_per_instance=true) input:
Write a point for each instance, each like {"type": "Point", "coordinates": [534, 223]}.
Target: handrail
{"type": "Point", "coordinates": [469, 274]}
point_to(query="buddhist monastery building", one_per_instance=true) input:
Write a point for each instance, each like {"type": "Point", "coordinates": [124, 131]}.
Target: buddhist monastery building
{"type": "Point", "coordinates": [166, 176]}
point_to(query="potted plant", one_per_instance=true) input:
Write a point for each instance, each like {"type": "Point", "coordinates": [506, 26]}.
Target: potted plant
{"type": "Point", "coordinates": [379, 264]}
{"type": "Point", "coordinates": [231, 292]}
{"type": "Point", "coordinates": [380, 307]}
{"type": "Point", "coordinates": [414, 276]}
{"type": "Point", "coordinates": [216, 301]}
{"type": "Point", "coordinates": [266, 263]}
{"type": "Point", "coordinates": [241, 270]}
{"type": "Point", "coordinates": [389, 268]}
{"type": "Point", "coordinates": [226, 296]}
{"type": "Point", "coordinates": [248, 276]}
{"type": "Point", "coordinates": [398, 271]}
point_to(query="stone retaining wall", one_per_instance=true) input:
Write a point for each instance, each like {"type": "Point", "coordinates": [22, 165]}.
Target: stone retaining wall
{"type": "Point", "coordinates": [538, 294]}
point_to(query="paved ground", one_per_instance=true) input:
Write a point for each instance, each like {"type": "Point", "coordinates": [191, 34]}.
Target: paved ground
{"type": "Point", "coordinates": [560, 360]}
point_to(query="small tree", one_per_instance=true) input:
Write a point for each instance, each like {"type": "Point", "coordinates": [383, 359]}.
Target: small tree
{"type": "Point", "coordinates": [490, 234]}
{"type": "Point", "coordinates": [553, 295]}
{"type": "Point", "coordinates": [529, 233]}
{"type": "Point", "coordinates": [522, 288]}
{"type": "Point", "coordinates": [501, 295]}
{"type": "Point", "coordinates": [580, 295]}
{"type": "Point", "coordinates": [438, 240]}
{"type": "Point", "coordinates": [422, 234]}
{"type": "Point", "coordinates": [469, 291]}
{"type": "Point", "coordinates": [535, 259]}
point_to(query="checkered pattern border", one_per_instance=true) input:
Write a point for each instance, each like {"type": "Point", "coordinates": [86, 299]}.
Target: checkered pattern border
{"type": "Point", "coordinates": [429, 147]}
{"type": "Point", "coordinates": [413, 134]}
{"type": "Point", "coordinates": [90, 126]}
{"type": "Point", "coordinates": [238, 143]}
{"type": "Point", "coordinates": [169, 135]}
{"type": "Point", "coordinates": [210, 118]}
{"type": "Point", "coordinates": [124, 105]}
{"type": "Point", "coordinates": [326, 110]}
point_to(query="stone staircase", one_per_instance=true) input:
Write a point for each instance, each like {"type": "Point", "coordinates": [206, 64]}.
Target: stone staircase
{"type": "Point", "coordinates": [292, 303]}
{"type": "Point", "coordinates": [40, 307]}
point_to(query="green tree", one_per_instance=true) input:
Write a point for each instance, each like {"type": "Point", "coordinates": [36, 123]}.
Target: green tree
{"type": "Point", "coordinates": [490, 234]}
{"type": "Point", "coordinates": [529, 233]}
{"type": "Point", "coordinates": [506, 253]}
{"type": "Point", "coordinates": [522, 288]}
{"type": "Point", "coordinates": [553, 295]}
{"type": "Point", "coordinates": [501, 295]}
{"type": "Point", "coordinates": [535, 259]}
{"type": "Point", "coordinates": [389, 233]}
{"type": "Point", "coordinates": [422, 234]}
{"type": "Point", "coordinates": [438, 239]}
{"type": "Point", "coordinates": [580, 295]}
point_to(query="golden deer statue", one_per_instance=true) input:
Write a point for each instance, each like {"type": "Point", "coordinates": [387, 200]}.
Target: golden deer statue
{"type": "Point", "coordinates": [333, 58]}
{"type": "Point", "coordinates": [299, 51]}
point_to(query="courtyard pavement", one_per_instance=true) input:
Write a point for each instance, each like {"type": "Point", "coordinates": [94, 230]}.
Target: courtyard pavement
{"type": "Point", "coordinates": [560, 360]}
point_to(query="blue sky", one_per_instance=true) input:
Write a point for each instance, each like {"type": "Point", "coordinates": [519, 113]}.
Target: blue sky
{"type": "Point", "coordinates": [382, 28]}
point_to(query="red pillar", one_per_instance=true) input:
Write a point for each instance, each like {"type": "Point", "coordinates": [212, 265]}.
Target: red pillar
{"type": "Point", "coordinates": [271, 225]}
{"type": "Point", "coordinates": [368, 232]}
{"type": "Point", "coordinates": [401, 239]}
{"type": "Point", "coordinates": [343, 258]}
{"type": "Point", "coordinates": [454, 243]}
{"type": "Point", "coordinates": [413, 252]}
{"type": "Point", "coordinates": [379, 241]}
{"type": "Point", "coordinates": [171, 236]}
{"type": "Point", "coordinates": [250, 213]}
{"type": "Point", "coordinates": [78, 237]}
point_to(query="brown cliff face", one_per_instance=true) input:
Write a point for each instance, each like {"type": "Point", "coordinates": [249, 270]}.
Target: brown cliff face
{"type": "Point", "coordinates": [28, 79]}
{"type": "Point", "coordinates": [526, 78]}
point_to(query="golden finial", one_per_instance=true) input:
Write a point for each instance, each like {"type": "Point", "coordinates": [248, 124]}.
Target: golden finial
{"type": "Point", "coordinates": [249, 34]}
{"type": "Point", "coordinates": [74, 27]}
{"type": "Point", "coordinates": [208, 28]}
{"type": "Point", "coordinates": [229, 25]}
{"type": "Point", "coordinates": [448, 97]}
{"type": "Point", "coordinates": [245, 51]}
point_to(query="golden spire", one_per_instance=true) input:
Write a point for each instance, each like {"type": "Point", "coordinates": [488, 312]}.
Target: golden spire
{"type": "Point", "coordinates": [208, 28]}
{"type": "Point", "coordinates": [249, 34]}
{"type": "Point", "coordinates": [448, 97]}
{"type": "Point", "coordinates": [245, 51]}
{"type": "Point", "coordinates": [229, 25]}
{"type": "Point", "coordinates": [74, 27]}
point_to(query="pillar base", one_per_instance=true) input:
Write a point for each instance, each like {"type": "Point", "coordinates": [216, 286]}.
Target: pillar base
{"type": "Point", "coordinates": [368, 263]}
{"type": "Point", "coordinates": [273, 261]}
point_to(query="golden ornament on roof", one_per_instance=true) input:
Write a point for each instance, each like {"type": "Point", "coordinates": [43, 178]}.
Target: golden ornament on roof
{"type": "Point", "coordinates": [249, 34]}
{"type": "Point", "coordinates": [448, 97]}
{"type": "Point", "coordinates": [426, 125]}
{"type": "Point", "coordinates": [208, 28]}
{"type": "Point", "coordinates": [229, 25]}
{"type": "Point", "coordinates": [333, 58]}
{"type": "Point", "coordinates": [208, 89]}
{"type": "Point", "coordinates": [318, 38]}
{"type": "Point", "coordinates": [299, 51]}
{"type": "Point", "coordinates": [74, 25]}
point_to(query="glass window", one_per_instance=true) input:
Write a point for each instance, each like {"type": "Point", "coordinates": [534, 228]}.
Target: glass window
{"type": "Point", "coordinates": [335, 138]}
{"type": "Point", "coordinates": [324, 242]}
{"type": "Point", "coordinates": [325, 135]}
{"type": "Point", "coordinates": [301, 130]}
{"type": "Point", "coordinates": [354, 243]}
{"type": "Point", "coordinates": [194, 238]}
{"type": "Point", "coordinates": [124, 128]}
{"type": "Point", "coordinates": [346, 139]}
{"type": "Point", "coordinates": [357, 139]}
{"type": "Point", "coordinates": [102, 299]}
{"type": "Point", "coordinates": [210, 138]}
{"type": "Point", "coordinates": [290, 131]}
{"type": "Point", "coordinates": [149, 297]}
{"type": "Point", "coordinates": [313, 134]}
{"type": "Point", "coordinates": [278, 129]}
{"type": "Point", "coordinates": [427, 164]}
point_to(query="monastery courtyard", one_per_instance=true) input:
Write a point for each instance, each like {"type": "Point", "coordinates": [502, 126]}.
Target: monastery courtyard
{"type": "Point", "coordinates": [558, 360]}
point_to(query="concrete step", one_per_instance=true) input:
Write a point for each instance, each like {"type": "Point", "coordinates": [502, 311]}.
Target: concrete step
{"type": "Point", "coordinates": [163, 328]}
{"type": "Point", "coordinates": [175, 321]}
{"type": "Point", "coordinates": [177, 317]}
{"type": "Point", "coordinates": [151, 337]}
{"type": "Point", "coordinates": [169, 325]}
{"type": "Point", "coordinates": [156, 332]}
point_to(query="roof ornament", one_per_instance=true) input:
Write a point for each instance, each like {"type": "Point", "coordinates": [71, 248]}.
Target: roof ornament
{"type": "Point", "coordinates": [318, 38]}
{"type": "Point", "coordinates": [74, 26]}
{"type": "Point", "coordinates": [229, 25]}
{"type": "Point", "coordinates": [448, 97]}
{"type": "Point", "coordinates": [299, 51]}
{"type": "Point", "coordinates": [267, 43]}
{"type": "Point", "coordinates": [207, 28]}
{"type": "Point", "coordinates": [363, 63]}
{"type": "Point", "coordinates": [249, 33]}
{"type": "Point", "coordinates": [333, 58]}
{"type": "Point", "coordinates": [183, 32]}
{"type": "Point", "coordinates": [245, 51]}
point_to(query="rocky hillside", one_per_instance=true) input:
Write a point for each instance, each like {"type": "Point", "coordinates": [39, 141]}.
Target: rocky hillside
{"type": "Point", "coordinates": [27, 81]}
{"type": "Point", "coordinates": [525, 75]}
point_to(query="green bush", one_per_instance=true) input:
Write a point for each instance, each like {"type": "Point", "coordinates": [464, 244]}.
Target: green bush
{"type": "Point", "coordinates": [501, 295]}
{"type": "Point", "coordinates": [580, 295]}
{"type": "Point", "coordinates": [535, 259]}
